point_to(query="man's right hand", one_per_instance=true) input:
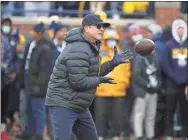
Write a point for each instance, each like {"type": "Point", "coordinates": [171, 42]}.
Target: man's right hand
{"type": "Point", "coordinates": [120, 58]}
{"type": "Point", "coordinates": [107, 80]}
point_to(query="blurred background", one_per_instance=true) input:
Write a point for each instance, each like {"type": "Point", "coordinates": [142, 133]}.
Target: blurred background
{"type": "Point", "coordinates": [131, 21]}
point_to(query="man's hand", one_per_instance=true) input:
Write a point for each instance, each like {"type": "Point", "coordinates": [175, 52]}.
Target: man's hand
{"type": "Point", "coordinates": [121, 58]}
{"type": "Point", "coordinates": [107, 80]}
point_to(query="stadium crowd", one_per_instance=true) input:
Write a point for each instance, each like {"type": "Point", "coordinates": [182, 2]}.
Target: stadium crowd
{"type": "Point", "coordinates": [149, 101]}
{"type": "Point", "coordinates": [75, 8]}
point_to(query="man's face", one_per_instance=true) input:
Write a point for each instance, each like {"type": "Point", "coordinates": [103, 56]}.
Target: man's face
{"type": "Point", "coordinates": [50, 33]}
{"type": "Point", "coordinates": [148, 35]}
{"type": "Point", "coordinates": [95, 32]}
{"type": "Point", "coordinates": [180, 31]}
{"type": "Point", "coordinates": [35, 35]}
{"type": "Point", "coordinates": [6, 27]}
{"type": "Point", "coordinates": [61, 33]}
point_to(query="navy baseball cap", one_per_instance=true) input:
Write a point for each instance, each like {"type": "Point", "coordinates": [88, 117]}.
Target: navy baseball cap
{"type": "Point", "coordinates": [53, 25]}
{"type": "Point", "coordinates": [39, 27]}
{"type": "Point", "coordinates": [93, 19]}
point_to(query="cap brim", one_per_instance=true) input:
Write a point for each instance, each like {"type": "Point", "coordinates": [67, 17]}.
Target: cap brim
{"type": "Point", "coordinates": [105, 24]}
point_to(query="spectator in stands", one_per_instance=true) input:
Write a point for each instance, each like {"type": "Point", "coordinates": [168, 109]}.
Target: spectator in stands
{"type": "Point", "coordinates": [126, 40]}
{"type": "Point", "coordinates": [183, 9]}
{"type": "Point", "coordinates": [53, 21]}
{"type": "Point", "coordinates": [37, 67]}
{"type": "Point", "coordinates": [9, 32]}
{"type": "Point", "coordinates": [114, 8]}
{"type": "Point", "coordinates": [68, 5]}
{"type": "Point", "coordinates": [14, 37]}
{"type": "Point", "coordinates": [128, 44]}
{"type": "Point", "coordinates": [133, 7]}
{"type": "Point", "coordinates": [97, 6]}
{"type": "Point", "coordinates": [174, 64]}
{"type": "Point", "coordinates": [6, 8]}
{"type": "Point", "coordinates": [51, 30]}
{"type": "Point", "coordinates": [109, 102]}
{"type": "Point", "coordinates": [102, 15]}
{"type": "Point", "coordinates": [132, 34]}
{"type": "Point", "coordinates": [60, 33]}
{"type": "Point", "coordinates": [7, 76]}
{"type": "Point", "coordinates": [7, 71]}
{"type": "Point", "coordinates": [19, 8]}
{"type": "Point", "coordinates": [54, 18]}
{"type": "Point", "coordinates": [39, 8]}
{"type": "Point", "coordinates": [136, 32]}
{"type": "Point", "coordinates": [151, 9]}
{"type": "Point", "coordinates": [167, 34]}
{"type": "Point", "coordinates": [16, 41]}
{"type": "Point", "coordinates": [42, 19]}
{"type": "Point", "coordinates": [146, 82]}
{"type": "Point", "coordinates": [154, 32]}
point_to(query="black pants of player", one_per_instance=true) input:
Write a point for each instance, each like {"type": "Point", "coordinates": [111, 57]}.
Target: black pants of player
{"type": "Point", "coordinates": [109, 115]}
{"type": "Point", "coordinates": [171, 101]}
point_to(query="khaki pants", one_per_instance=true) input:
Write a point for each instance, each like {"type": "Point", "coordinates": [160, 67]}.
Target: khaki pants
{"type": "Point", "coordinates": [145, 110]}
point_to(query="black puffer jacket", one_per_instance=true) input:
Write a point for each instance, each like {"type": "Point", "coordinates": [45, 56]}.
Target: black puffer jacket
{"type": "Point", "coordinates": [40, 68]}
{"type": "Point", "coordinates": [76, 74]}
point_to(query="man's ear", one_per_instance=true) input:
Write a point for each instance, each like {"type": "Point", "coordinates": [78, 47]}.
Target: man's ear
{"type": "Point", "coordinates": [86, 28]}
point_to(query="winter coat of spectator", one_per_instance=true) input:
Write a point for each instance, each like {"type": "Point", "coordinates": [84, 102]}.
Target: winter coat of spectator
{"type": "Point", "coordinates": [7, 65]}
{"type": "Point", "coordinates": [36, 69]}
{"type": "Point", "coordinates": [174, 60]}
{"type": "Point", "coordinates": [146, 82]}
{"type": "Point", "coordinates": [110, 97]}
{"type": "Point", "coordinates": [174, 65]}
{"type": "Point", "coordinates": [38, 65]}
{"type": "Point", "coordinates": [15, 39]}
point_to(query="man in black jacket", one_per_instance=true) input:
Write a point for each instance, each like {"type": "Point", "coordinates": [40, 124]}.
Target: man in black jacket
{"type": "Point", "coordinates": [37, 67]}
{"type": "Point", "coordinates": [75, 76]}
{"type": "Point", "coordinates": [146, 84]}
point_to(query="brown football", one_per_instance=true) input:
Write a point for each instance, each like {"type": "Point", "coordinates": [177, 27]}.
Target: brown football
{"type": "Point", "coordinates": [144, 47]}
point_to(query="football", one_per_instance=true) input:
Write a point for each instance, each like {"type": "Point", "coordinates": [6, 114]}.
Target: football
{"type": "Point", "coordinates": [144, 47]}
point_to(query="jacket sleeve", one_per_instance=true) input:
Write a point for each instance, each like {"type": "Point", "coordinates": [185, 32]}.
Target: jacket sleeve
{"type": "Point", "coordinates": [45, 68]}
{"type": "Point", "coordinates": [137, 74]}
{"type": "Point", "coordinates": [78, 64]}
{"type": "Point", "coordinates": [106, 67]}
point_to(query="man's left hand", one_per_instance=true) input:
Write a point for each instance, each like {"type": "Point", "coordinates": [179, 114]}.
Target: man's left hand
{"type": "Point", "coordinates": [122, 57]}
